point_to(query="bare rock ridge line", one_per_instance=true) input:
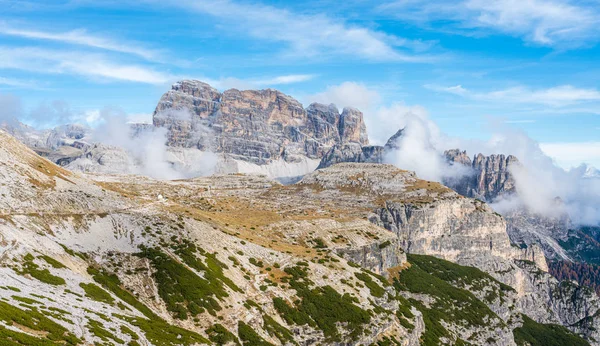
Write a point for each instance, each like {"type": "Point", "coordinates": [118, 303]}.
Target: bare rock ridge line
{"type": "Point", "coordinates": [254, 125]}
{"type": "Point", "coordinates": [491, 177]}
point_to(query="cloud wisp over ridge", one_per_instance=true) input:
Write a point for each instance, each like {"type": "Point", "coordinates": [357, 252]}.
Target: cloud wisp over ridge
{"type": "Point", "coordinates": [539, 179]}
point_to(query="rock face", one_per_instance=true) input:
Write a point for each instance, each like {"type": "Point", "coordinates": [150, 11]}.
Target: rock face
{"type": "Point", "coordinates": [244, 258]}
{"type": "Point", "coordinates": [490, 179]}
{"type": "Point", "coordinates": [61, 145]}
{"type": "Point", "coordinates": [352, 152]}
{"type": "Point", "coordinates": [258, 126]}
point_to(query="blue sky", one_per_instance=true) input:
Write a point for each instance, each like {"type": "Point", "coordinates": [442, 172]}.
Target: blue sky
{"type": "Point", "coordinates": [471, 65]}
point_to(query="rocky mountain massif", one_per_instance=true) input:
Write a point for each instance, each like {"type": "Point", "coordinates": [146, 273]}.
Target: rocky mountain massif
{"type": "Point", "coordinates": [241, 259]}
{"type": "Point", "coordinates": [62, 144]}
{"type": "Point", "coordinates": [262, 128]}
{"type": "Point", "coordinates": [270, 133]}
{"type": "Point", "coordinates": [489, 179]}
{"type": "Point", "coordinates": [251, 131]}
{"type": "Point", "coordinates": [573, 249]}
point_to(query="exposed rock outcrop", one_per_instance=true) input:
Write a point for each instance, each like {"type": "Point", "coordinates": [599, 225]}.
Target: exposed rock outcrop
{"type": "Point", "coordinates": [490, 176]}
{"type": "Point", "coordinates": [295, 263]}
{"type": "Point", "coordinates": [352, 152]}
{"type": "Point", "coordinates": [258, 126]}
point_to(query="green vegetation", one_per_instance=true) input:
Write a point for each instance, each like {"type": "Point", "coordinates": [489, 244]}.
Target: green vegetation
{"type": "Point", "coordinates": [221, 335]}
{"type": "Point", "coordinates": [43, 275]}
{"type": "Point", "coordinates": [537, 334]}
{"type": "Point", "coordinates": [51, 261]}
{"type": "Point", "coordinates": [319, 243]}
{"type": "Point", "coordinates": [249, 336]}
{"type": "Point", "coordinates": [277, 330]}
{"type": "Point", "coordinates": [12, 338]}
{"type": "Point", "coordinates": [321, 307]}
{"type": "Point", "coordinates": [256, 262]}
{"type": "Point", "coordinates": [385, 244]}
{"type": "Point", "coordinates": [376, 290]}
{"type": "Point", "coordinates": [27, 300]}
{"type": "Point", "coordinates": [74, 253]}
{"type": "Point", "coordinates": [53, 333]}
{"type": "Point", "coordinates": [157, 331]}
{"type": "Point", "coordinates": [14, 289]}
{"type": "Point", "coordinates": [160, 333]}
{"type": "Point", "coordinates": [112, 283]}
{"type": "Point", "coordinates": [583, 244]}
{"type": "Point", "coordinates": [97, 330]}
{"type": "Point", "coordinates": [184, 292]}
{"type": "Point", "coordinates": [128, 331]}
{"type": "Point", "coordinates": [404, 313]}
{"type": "Point", "coordinates": [96, 293]}
{"type": "Point", "coordinates": [462, 276]}
{"type": "Point", "coordinates": [433, 276]}
{"type": "Point", "coordinates": [388, 341]}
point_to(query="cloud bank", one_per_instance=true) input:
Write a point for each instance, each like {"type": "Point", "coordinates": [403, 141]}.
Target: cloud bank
{"type": "Point", "coordinates": [542, 185]}
{"type": "Point", "coordinates": [147, 148]}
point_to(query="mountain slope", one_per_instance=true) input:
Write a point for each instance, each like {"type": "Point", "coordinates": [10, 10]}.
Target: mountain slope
{"type": "Point", "coordinates": [243, 259]}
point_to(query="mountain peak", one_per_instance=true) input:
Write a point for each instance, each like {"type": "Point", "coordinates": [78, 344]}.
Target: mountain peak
{"type": "Point", "coordinates": [256, 126]}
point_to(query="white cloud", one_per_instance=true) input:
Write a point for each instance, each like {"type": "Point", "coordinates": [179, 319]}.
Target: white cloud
{"type": "Point", "coordinates": [246, 84]}
{"type": "Point", "coordinates": [350, 94]}
{"type": "Point", "coordinates": [546, 22]}
{"type": "Point", "coordinates": [16, 83]}
{"type": "Point", "coordinates": [558, 96]}
{"type": "Point", "coordinates": [556, 23]}
{"type": "Point", "coordinates": [520, 121]}
{"type": "Point", "coordinates": [538, 181]}
{"type": "Point", "coordinates": [77, 63]}
{"type": "Point", "coordinates": [572, 154]}
{"type": "Point", "coordinates": [81, 37]}
{"type": "Point", "coordinates": [382, 121]}
{"type": "Point", "coordinates": [139, 118]}
{"type": "Point", "coordinates": [287, 79]}
{"type": "Point", "coordinates": [315, 36]}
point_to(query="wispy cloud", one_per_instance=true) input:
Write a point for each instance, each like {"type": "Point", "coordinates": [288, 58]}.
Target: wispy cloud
{"type": "Point", "coordinates": [83, 38]}
{"type": "Point", "coordinates": [556, 23]}
{"type": "Point", "coordinates": [17, 83]}
{"type": "Point", "coordinates": [237, 83]}
{"type": "Point", "coordinates": [76, 63]}
{"type": "Point", "coordinates": [558, 96]}
{"type": "Point", "coordinates": [523, 121]}
{"type": "Point", "coordinates": [572, 154]}
{"type": "Point", "coordinates": [315, 36]}
{"type": "Point", "coordinates": [287, 79]}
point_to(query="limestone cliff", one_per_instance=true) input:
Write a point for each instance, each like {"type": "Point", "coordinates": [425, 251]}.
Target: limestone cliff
{"type": "Point", "coordinates": [258, 126]}
{"type": "Point", "coordinates": [490, 176]}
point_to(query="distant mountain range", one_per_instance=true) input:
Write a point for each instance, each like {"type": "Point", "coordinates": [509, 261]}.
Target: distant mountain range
{"type": "Point", "coordinates": [270, 133]}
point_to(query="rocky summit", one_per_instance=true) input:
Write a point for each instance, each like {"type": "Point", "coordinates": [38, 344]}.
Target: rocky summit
{"type": "Point", "coordinates": [258, 126]}
{"type": "Point", "coordinates": [490, 178]}
{"type": "Point", "coordinates": [353, 254]}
